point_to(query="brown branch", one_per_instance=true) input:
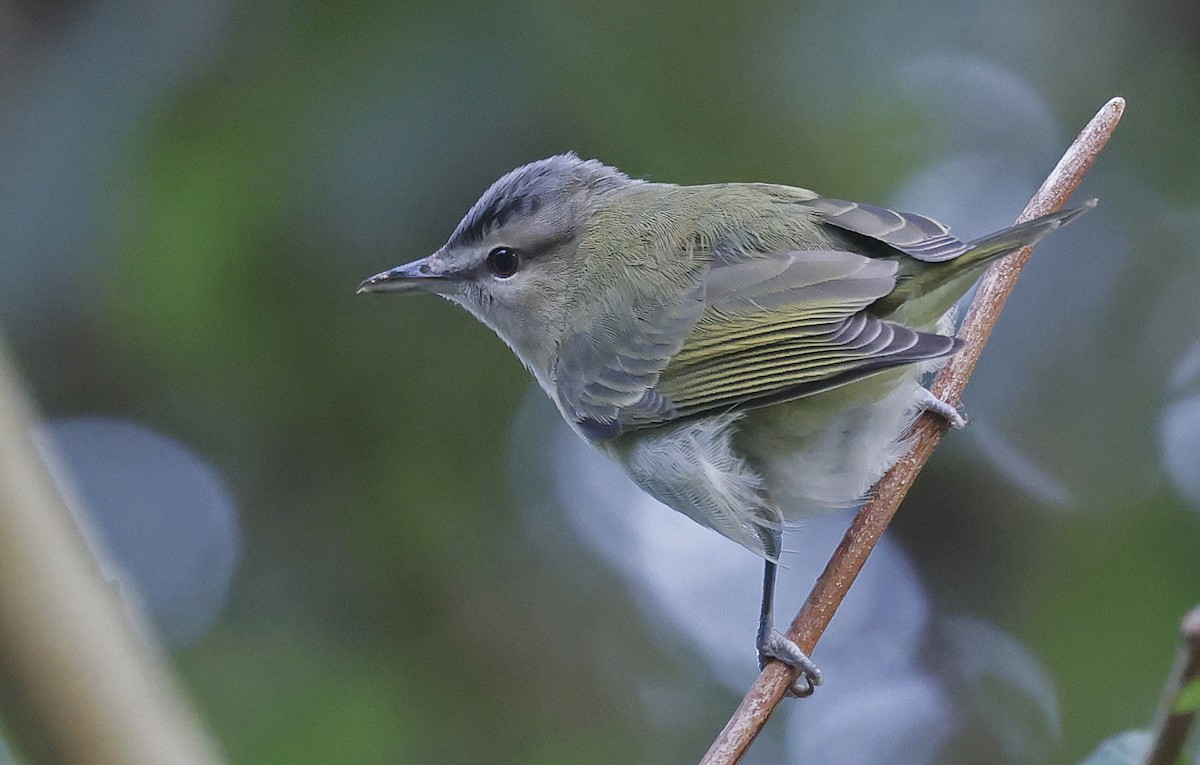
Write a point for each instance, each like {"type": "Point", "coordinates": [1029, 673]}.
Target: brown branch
{"type": "Point", "coordinates": [79, 681]}
{"type": "Point", "coordinates": [873, 518]}
{"type": "Point", "coordinates": [1172, 725]}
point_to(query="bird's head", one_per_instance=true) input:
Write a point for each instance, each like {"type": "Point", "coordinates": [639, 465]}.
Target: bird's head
{"type": "Point", "coordinates": [509, 261]}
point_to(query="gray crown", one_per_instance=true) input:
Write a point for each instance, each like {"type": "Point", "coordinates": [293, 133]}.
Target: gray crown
{"type": "Point", "coordinates": [524, 190]}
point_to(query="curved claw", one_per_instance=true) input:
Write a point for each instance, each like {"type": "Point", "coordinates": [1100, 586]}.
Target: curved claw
{"type": "Point", "coordinates": [778, 647]}
{"type": "Point", "coordinates": [801, 688]}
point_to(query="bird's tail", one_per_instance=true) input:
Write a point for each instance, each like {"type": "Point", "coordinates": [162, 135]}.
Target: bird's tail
{"type": "Point", "coordinates": [924, 291]}
{"type": "Point", "coordinates": [987, 248]}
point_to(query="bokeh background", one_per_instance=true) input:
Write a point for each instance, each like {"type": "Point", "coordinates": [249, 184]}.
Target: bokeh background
{"type": "Point", "coordinates": [365, 540]}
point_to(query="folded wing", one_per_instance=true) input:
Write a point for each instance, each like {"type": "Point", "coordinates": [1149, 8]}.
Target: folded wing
{"type": "Point", "coordinates": [752, 332]}
{"type": "Point", "coordinates": [770, 337]}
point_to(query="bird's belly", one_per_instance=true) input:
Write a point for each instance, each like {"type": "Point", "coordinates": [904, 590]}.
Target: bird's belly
{"type": "Point", "coordinates": [742, 473]}
{"type": "Point", "coordinates": [693, 467]}
{"type": "Point", "coordinates": [824, 452]}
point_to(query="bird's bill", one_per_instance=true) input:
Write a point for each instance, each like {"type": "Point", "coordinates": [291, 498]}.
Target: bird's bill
{"type": "Point", "coordinates": [423, 275]}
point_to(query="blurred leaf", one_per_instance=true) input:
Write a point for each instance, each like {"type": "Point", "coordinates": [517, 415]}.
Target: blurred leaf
{"type": "Point", "coordinates": [1007, 687]}
{"type": "Point", "coordinates": [162, 514]}
{"type": "Point", "coordinates": [1188, 699]}
{"type": "Point", "coordinates": [1179, 434]}
{"type": "Point", "coordinates": [1128, 748]}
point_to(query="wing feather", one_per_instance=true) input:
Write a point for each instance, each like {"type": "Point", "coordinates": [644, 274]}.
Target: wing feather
{"type": "Point", "coordinates": [914, 235]}
{"type": "Point", "coordinates": [606, 375]}
{"type": "Point", "coordinates": [751, 332]}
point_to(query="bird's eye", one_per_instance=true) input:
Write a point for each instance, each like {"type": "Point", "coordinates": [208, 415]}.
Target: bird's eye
{"type": "Point", "coordinates": [503, 262]}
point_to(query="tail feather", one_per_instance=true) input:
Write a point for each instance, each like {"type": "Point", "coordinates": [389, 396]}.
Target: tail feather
{"type": "Point", "coordinates": [920, 279]}
{"type": "Point", "coordinates": [991, 246]}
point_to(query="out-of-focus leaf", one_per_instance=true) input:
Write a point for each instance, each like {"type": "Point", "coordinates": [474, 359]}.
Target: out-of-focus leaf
{"type": "Point", "coordinates": [158, 518]}
{"type": "Point", "coordinates": [1016, 465]}
{"type": "Point", "coordinates": [1128, 748]}
{"type": "Point", "coordinates": [65, 140]}
{"type": "Point", "coordinates": [1179, 428]}
{"type": "Point", "coordinates": [1188, 699]}
{"type": "Point", "coordinates": [902, 719]}
{"type": "Point", "coordinates": [1007, 687]}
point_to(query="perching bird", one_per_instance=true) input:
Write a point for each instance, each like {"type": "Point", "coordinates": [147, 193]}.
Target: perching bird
{"type": "Point", "coordinates": [749, 353]}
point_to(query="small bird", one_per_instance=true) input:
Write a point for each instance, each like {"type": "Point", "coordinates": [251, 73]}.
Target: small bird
{"type": "Point", "coordinates": [748, 353]}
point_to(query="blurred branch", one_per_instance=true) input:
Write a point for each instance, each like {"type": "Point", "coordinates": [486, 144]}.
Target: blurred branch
{"type": "Point", "coordinates": [1175, 721]}
{"type": "Point", "coordinates": [808, 626]}
{"type": "Point", "coordinates": [80, 684]}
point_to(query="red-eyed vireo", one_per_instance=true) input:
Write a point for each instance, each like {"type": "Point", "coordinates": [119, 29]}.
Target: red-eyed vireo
{"type": "Point", "coordinates": [749, 353]}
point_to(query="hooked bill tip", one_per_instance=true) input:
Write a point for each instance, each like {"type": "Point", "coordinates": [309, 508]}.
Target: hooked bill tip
{"type": "Point", "coordinates": [368, 284]}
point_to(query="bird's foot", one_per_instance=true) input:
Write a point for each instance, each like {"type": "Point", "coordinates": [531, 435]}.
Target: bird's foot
{"type": "Point", "coordinates": [777, 646]}
{"type": "Point", "coordinates": [931, 403]}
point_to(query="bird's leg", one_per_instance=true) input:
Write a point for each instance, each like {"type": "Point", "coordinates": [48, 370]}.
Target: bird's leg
{"type": "Point", "coordinates": [773, 644]}
{"type": "Point", "coordinates": [931, 403]}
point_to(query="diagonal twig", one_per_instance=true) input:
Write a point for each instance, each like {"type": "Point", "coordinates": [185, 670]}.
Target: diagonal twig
{"type": "Point", "coordinates": [80, 683]}
{"type": "Point", "coordinates": [1173, 722]}
{"type": "Point", "coordinates": [808, 626]}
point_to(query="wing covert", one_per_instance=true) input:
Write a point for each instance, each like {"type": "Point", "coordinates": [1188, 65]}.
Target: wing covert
{"type": "Point", "coordinates": [914, 235]}
{"type": "Point", "coordinates": [606, 375]}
